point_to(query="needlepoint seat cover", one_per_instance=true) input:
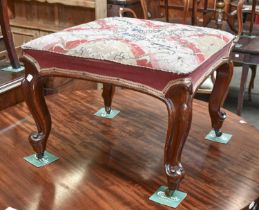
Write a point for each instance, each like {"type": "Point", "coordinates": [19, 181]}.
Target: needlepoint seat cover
{"type": "Point", "coordinates": [144, 52]}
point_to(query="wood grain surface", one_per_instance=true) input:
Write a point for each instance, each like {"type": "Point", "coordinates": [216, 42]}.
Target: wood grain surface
{"type": "Point", "coordinates": [117, 164]}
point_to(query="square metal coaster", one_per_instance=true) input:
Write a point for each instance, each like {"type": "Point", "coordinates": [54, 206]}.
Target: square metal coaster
{"type": "Point", "coordinates": [47, 159]}
{"type": "Point", "coordinates": [160, 197]}
{"type": "Point", "coordinates": [102, 113]}
{"type": "Point", "coordinates": [224, 138]}
{"type": "Point", "coordinates": [11, 69]}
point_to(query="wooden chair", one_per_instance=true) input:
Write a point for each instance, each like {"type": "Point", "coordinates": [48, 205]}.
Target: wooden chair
{"type": "Point", "coordinates": [7, 35]}
{"type": "Point", "coordinates": [222, 18]}
{"type": "Point", "coordinates": [249, 9]}
{"type": "Point", "coordinates": [151, 10]}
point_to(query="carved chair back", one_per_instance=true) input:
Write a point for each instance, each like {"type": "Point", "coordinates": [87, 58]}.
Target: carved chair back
{"type": "Point", "coordinates": [250, 10]}
{"type": "Point", "coordinates": [222, 14]}
{"type": "Point", "coordinates": [151, 9]}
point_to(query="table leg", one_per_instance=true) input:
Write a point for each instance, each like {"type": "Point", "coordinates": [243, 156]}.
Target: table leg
{"type": "Point", "coordinates": [108, 92]}
{"type": "Point", "coordinates": [242, 88]}
{"type": "Point", "coordinates": [218, 95]}
{"type": "Point", "coordinates": [194, 12]}
{"type": "Point", "coordinates": [179, 106]}
{"type": "Point", "coordinates": [34, 97]}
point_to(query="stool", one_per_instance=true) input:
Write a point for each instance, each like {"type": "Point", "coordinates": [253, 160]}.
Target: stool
{"type": "Point", "coordinates": [164, 60]}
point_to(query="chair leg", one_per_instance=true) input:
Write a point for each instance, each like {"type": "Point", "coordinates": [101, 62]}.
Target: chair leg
{"type": "Point", "coordinates": [218, 95]}
{"type": "Point", "coordinates": [179, 106]}
{"type": "Point", "coordinates": [7, 34]}
{"type": "Point", "coordinates": [108, 92]}
{"type": "Point", "coordinates": [251, 84]}
{"type": "Point", "coordinates": [186, 10]}
{"type": "Point", "coordinates": [194, 12]}
{"type": "Point", "coordinates": [34, 97]}
{"type": "Point", "coordinates": [242, 88]}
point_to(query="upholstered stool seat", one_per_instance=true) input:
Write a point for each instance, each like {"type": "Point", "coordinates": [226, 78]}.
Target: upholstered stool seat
{"type": "Point", "coordinates": [145, 52]}
{"type": "Point", "coordinates": [168, 61]}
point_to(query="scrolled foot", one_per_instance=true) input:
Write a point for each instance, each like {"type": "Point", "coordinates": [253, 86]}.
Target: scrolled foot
{"type": "Point", "coordinates": [218, 133]}
{"type": "Point", "coordinates": [169, 193]}
{"type": "Point", "coordinates": [222, 115]}
{"type": "Point", "coordinates": [35, 136]}
{"type": "Point", "coordinates": [175, 174]}
{"type": "Point", "coordinates": [38, 142]}
{"type": "Point", "coordinates": [40, 156]}
{"type": "Point", "coordinates": [108, 109]}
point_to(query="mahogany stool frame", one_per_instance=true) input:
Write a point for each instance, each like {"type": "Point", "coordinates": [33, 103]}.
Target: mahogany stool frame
{"type": "Point", "coordinates": [178, 100]}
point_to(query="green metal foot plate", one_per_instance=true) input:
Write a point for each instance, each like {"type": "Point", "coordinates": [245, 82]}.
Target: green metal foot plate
{"type": "Point", "coordinates": [160, 197]}
{"type": "Point", "coordinates": [11, 69]}
{"type": "Point", "coordinates": [102, 113]}
{"type": "Point", "coordinates": [223, 139]}
{"type": "Point", "coordinates": [47, 159]}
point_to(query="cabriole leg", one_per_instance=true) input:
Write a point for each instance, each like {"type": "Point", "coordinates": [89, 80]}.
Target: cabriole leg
{"type": "Point", "coordinates": [108, 92]}
{"type": "Point", "coordinates": [179, 106]}
{"type": "Point", "coordinates": [218, 95]}
{"type": "Point", "coordinates": [33, 94]}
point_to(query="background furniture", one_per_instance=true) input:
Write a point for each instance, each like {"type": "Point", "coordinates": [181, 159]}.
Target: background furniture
{"type": "Point", "coordinates": [250, 10]}
{"type": "Point", "coordinates": [33, 18]}
{"type": "Point", "coordinates": [119, 164]}
{"type": "Point", "coordinates": [246, 53]}
{"type": "Point", "coordinates": [115, 5]}
{"type": "Point", "coordinates": [9, 82]}
{"type": "Point", "coordinates": [7, 35]}
{"type": "Point", "coordinates": [152, 10]}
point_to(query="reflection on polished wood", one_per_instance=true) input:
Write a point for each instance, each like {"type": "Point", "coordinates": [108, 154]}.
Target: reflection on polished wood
{"type": "Point", "coordinates": [118, 164]}
{"type": "Point", "coordinates": [254, 205]}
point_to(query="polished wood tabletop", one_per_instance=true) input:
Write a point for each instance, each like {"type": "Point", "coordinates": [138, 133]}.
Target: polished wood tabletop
{"type": "Point", "coordinates": [117, 164]}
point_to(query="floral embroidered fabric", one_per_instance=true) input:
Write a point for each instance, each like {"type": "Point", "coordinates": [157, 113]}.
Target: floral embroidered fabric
{"type": "Point", "coordinates": [168, 47]}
